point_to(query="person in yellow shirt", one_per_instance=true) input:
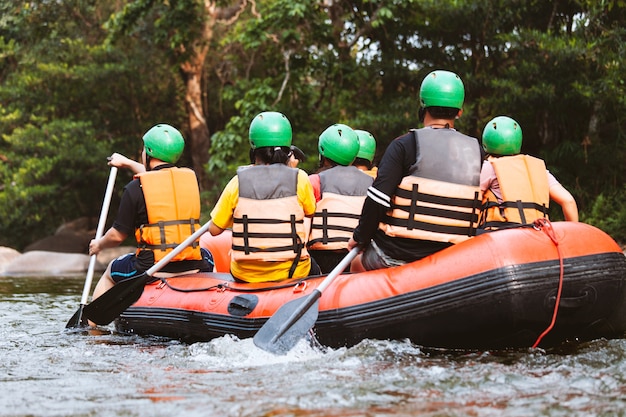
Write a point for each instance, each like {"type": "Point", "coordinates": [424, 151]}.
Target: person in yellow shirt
{"type": "Point", "coordinates": [268, 205]}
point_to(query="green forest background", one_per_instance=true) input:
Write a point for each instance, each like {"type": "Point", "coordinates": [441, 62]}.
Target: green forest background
{"type": "Point", "coordinates": [81, 79]}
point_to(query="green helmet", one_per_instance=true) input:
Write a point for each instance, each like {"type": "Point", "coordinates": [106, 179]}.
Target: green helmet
{"type": "Point", "coordinates": [270, 128]}
{"type": "Point", "coordinates": [367, 145]}
{"type": "Point", "coordinates": [443, 89]}
{"type": "Point", "coordinates": [164, 142]}
{"type": "Point", "coordinates": [339, 143]}
{"type": "Point", "coordinates": [502, 136]}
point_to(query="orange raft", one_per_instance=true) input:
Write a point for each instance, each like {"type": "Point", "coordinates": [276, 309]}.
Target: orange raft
{"type": "Point", "coordinates": [497, 290]}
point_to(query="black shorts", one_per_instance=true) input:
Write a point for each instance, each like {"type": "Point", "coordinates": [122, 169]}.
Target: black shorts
{"type": "Point", "coordinates": [125, 266]}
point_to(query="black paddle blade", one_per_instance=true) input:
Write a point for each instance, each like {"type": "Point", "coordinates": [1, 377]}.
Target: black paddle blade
{"type": "Point", "coordinates": [78, 319]}
{"type": "Point", "coordinates": [288, 325]}
{"type": "Point", "coordinates": [106, 308]}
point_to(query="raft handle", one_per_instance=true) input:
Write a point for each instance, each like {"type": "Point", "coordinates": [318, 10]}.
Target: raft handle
{"type": "Point", "coordinates": [587, 296]}
{"type": "Point", "coordinates": [300, 287]}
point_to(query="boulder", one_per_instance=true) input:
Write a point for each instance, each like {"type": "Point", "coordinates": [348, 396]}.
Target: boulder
{"type": "Point", "coordinates": [70, 237]}
{"type": "Point", "coordinates": [38, 262]}
{"type": "Point", "coordinates": [7, 255]}
{"type": "Point", "coordinates": [57, 263]}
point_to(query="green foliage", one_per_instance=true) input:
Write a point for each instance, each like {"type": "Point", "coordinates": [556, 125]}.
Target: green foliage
{"type": "Point", "coordinates": [47, 178]}
{"type": "Point", "coordinates": [608, 212]}
{"type": "Point", "coordinates": [68, 101]}
{"type": "Point", "coordinates": [171, 25]}
{"type": "Point", "coordinates": [102, 73]}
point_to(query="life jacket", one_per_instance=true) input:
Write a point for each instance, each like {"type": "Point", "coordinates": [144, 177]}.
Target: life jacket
{"type": "Point", "coordinates": [173, 206]}
{"type": "Point", "coordinates": [343, 191]}
{"type": "Point", "coordinates": [372, 172]}
{"type": "Point", "coordinates": [525, 192]}
{"type": "Point", "coordinates": [439, 199]}
{"type": "Point", "coordinates": [268, 222]}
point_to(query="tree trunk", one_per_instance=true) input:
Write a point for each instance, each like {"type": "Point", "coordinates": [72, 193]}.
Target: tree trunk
{"type": "Point", "coordinates": [192, 71]}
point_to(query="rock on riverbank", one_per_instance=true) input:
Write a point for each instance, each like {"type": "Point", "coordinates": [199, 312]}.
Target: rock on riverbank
{"type": "Point", "coordinates": [39, 262]}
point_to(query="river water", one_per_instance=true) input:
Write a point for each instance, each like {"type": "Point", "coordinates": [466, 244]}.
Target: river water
{"type": "Point", "coordinates": [49, 371]}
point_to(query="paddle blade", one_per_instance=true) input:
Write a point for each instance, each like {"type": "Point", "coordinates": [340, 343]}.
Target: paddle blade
{"type": "Point", "coordinates": [78, 319]}
{"type": "Point", "coordinates": [106, 308]}
{"type": "Point", "coordinates": [288, 325]}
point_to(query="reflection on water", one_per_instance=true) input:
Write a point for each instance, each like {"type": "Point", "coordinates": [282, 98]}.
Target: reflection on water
{"type": "Point", "coordinates": [48, 371]}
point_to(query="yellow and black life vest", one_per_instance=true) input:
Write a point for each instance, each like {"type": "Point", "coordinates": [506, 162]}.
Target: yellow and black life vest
{"type": "Point", "coordinates": [525, 191]}
{"type": "Point", "coordinates": [439, 199]}
{"type": "Point", "coordinates": [173, 206]}
{"type": "Point", "coordinates": [343, 192]}
{"type": "Point", "coordinates": [268, 222]}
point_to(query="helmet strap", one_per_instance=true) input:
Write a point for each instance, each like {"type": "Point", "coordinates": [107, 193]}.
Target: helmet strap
{"type": "Point", "coordinates": [148, 159]}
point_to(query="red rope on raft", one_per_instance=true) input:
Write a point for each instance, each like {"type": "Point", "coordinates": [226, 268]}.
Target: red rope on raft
{"type": "Point", "coordinates": [546, 226]}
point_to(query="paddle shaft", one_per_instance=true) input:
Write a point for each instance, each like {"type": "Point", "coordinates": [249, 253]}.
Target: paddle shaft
{"type": "Point", "coordinates": [108, 306]}
{"type": "Point", "coordinates": [178, 249]}
{"type": "Point", "coordinates": [341, 266]}
{"type": "Point", "coordinates": [99, 232]}
{"type": "Point", "coordinates": [317, 293]}
{"type": "Point", "coordinates": [293, 320]}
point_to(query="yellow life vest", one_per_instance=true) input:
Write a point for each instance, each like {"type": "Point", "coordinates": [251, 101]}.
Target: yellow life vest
{"type": "Point", "coordinates": [525, 192]}
{"type": "Point", "coordinates": [372, 172]}
{"type": "Point", "coordinates": [337, 214]}
{"type": "Point", "coordinates": [268, 222]}
{"type": "Point", "coordinates": [440, 198]}
{"type": "Point", "coordinates": [173, 207]}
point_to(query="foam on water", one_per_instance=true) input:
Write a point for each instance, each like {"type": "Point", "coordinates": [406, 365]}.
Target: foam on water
{"type": "Point", "coordinates": [48, 371]}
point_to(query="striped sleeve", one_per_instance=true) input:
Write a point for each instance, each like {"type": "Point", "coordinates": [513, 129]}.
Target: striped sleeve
{"type": "Point", "coordinates": [379, 197]}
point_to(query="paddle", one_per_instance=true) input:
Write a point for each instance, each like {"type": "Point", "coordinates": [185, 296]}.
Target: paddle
{"type": "Point", "coordinates": [77, 319]}
{"type": "Point", "coordinates": [294, 319]}
{"type": "Point", "coordinates": [106, 308]}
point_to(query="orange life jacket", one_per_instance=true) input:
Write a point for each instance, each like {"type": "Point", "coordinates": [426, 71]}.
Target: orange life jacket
{"type": "Point", "coordinates": [173, 206]}
{"type": "Point", "coordinates": [525, 192]}
{"type": "Point", "coordinates": [439, 199]}
{"type": "Point", "coordinates": [372, 172]}
{"type": "Point", "coordinates": [337, 213]}
{"type": "Point", "coordinates": [268, 222]}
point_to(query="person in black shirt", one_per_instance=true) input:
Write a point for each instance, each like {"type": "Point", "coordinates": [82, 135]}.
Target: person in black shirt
{"type": "Point", "coordinates": [426, 196]}
{"type": "Point", "coordinates": [162, 200]}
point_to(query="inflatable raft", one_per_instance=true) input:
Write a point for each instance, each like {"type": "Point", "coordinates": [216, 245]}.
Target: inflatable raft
{"type": "Point", "coordinates": [530, 286]}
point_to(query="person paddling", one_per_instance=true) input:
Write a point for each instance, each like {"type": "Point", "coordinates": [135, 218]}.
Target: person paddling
{"type": "Point", "coordinates": [161, 206]}
{"type": "Point", "coordinates": [426, 196]}
{"type": "Point", "coordinates": [517, 188]}
{"type": "Point", "coordinates": [340, 190]}
{"type": "Point", "coordinates": [268, 205]}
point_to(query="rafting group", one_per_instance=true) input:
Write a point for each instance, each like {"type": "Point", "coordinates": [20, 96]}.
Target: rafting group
{"type": "Point", "coordinates": [433, 188]}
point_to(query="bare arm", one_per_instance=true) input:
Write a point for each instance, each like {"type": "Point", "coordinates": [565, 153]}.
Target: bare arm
{"type": "Point", "coordinates": [214, 230]}
{"type": "Point", "coordinates": [562, 197]}
{"type": "Point", "coordinates": [111, 239]}
{"type": "Point", "coordinates": [120, 161]}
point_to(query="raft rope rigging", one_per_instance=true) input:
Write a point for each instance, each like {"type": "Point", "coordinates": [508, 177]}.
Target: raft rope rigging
{"type": "Point", "coordinates": [539, 224]}
{"type": "Point", "coordinates": [545, 225]}
{"type": "Point", "coordinates": [225, 287]}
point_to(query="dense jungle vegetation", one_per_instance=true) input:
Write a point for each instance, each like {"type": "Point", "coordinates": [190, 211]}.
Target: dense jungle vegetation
{"type": "Point", "coordinates": [81, 79]}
